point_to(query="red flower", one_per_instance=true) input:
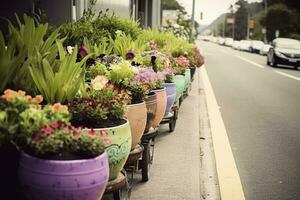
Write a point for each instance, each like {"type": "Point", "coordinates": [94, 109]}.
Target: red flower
{"type": "Point", "coordinates": [103, 133]}
{"type": "Point", "coordinates": [36, 138]}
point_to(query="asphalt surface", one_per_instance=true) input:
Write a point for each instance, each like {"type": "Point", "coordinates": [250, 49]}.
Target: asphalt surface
{"type": "Point", "coordinates": [260, 107]}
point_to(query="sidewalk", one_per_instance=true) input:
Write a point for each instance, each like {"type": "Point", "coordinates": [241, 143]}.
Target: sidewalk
{"type": "Point", "coordinates": [175, 172]}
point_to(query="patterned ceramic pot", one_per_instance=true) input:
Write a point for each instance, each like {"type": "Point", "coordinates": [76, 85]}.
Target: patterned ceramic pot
{"type": "Point", "coordinates": [119, 149]}
{"type": "Point", "coordinates": [137, 117]}
{"type": "Point", "coordinates": [180, 83]}
{"type": "Point", "coordinates": [161, 106]}
{"type": "Point", "coordinates": [171, 94]}
{"type": "Point", "coordinates": [151, 105]}
{"type": "Point", "coordinates": [63, 179]}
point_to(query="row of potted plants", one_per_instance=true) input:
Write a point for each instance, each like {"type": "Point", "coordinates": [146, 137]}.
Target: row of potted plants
{"type": "Point", "coordinates": [92, 104]}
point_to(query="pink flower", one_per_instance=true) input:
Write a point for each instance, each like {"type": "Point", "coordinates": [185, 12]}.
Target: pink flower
{"type": "Point", "coordinates": [47, 130]}
{"type": "Point", "coordinates": [36, 138]}
{"type": "Point", "coordinates": [92, 132]}
{"type": "Point", "coordinates": [103, 133]}
{"type": "Point", "coordinates": [54, 124]}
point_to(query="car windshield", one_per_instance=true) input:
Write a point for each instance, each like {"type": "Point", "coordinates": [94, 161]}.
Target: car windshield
{"type": "Point", "coordinates": [289, 44]}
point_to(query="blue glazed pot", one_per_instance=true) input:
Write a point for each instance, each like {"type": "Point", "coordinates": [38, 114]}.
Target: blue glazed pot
{"type": "Point", "coordinates": [171, 95]}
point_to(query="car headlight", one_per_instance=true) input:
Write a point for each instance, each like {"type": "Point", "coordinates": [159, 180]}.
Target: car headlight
{"type": "Point", "coordinates": [279, 54]}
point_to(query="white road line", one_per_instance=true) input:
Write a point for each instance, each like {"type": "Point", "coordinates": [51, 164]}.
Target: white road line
{"type": "Point", "coordinates": [229, 179]}
{"type": "Point", "coordinates": [250, 61]}
{"type": "Point", "coordinates": [287, 75]}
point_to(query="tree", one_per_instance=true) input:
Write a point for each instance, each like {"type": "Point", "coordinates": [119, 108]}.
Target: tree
{"type": "Point", "coordinates": [241, 20]}
{"type": "Point", "coordinates": [280, 17]}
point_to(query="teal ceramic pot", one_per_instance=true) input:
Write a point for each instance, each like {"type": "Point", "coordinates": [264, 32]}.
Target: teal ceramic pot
{"type": "Point", "coordinates": [179, 81]}
{"type": "Point", "coordinates": [187, 78]}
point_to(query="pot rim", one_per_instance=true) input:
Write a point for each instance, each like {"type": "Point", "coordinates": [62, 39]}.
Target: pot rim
{"type": "Point", "coordinates": [169, 83]}
{"type": "Point", "coordinates": [159, 90]}
{"type": "Point", "coordinates": [113, 127]}
{"type": "Point", "coordinates": [135, 104]}
{"type": "Point", "coordinates": [101, 156]}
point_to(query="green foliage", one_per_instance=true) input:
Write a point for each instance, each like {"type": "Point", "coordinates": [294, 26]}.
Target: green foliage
{"type": "Point", "coordinates": [30, 38]}
{"type": "Point", "coordinates": [96, 70]}
{"type": "Point", "coordinates": [59, 85]}
{"type": "Point", "coordinates": [103, 47]}
{"type": "Point", "coordinates": [111, 24]}
{"type": "Point", "coordinates": [121, 73]}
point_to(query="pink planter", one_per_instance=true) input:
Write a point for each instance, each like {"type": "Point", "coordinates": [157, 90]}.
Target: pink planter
{"type": "Point", "coordinates": [161, 106]}
{"type": "Point", "coordinates": [84, 179]}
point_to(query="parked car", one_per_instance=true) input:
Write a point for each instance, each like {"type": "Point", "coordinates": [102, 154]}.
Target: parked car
{"type": "Point", "coordinates": [265, 49]}
{"type": "Point", "coordinates": [221, 41]}
{"type": "Point", "coordinates": [256, 46]}
{"type": "Point", "coordinates": [245, 45]}
{"type": "Point", "coordinates": [236, 44]}
{"type": "Point", "coordinates": [284, 51]}
{"type": "Point", "coordinates": [228, 42]}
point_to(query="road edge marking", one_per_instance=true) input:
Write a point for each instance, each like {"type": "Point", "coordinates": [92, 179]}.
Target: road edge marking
{"type": "Point", "coordinates": [287, 75]}
{"type": "Point", "coordinates": [228, 176]}
{"type": "Point", "coordinates": [250, 61]}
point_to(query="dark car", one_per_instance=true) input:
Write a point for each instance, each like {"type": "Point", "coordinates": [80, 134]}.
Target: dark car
{"type": "Point", "coordinates": [284, 51]}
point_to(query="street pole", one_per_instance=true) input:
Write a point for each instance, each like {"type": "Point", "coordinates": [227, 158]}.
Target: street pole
{"type": "Point", "coordinates": [193, 21]}
{"type": "Point", "coordinates": [248, 27]}
{"type": "Point", "coordinates": [266, 11]}
{"type": "Point", "coordinates": [224, 25]}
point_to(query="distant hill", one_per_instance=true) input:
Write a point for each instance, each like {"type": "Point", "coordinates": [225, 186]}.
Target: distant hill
{"type": "Point", "coordinates": [214, 24]}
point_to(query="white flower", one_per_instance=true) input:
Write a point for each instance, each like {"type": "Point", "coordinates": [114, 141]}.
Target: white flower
{"type": "Point", "coordinates": [99, 82]}
{"type": "Point", "coordinates": [70, 49]}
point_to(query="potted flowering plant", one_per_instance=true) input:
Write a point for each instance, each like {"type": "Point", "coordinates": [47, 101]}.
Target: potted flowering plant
{"type": "Point", "coordinates": [102, 108]}
{"type": "Point", "coordinates": [55, 157]}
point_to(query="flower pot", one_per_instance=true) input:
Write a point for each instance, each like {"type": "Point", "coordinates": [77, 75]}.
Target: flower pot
{"type": "Point", "coordinates": [161, 106]}
{"type": "Point", "coordinates": [187, 78]}
{"type": "Point", "coordinates": [137, 117]}
{"type": "Point", "coordinates": [180, 83]}
{"type": "Point", "coordinates": [193, 70]}
{"type": "Point", "coordinates": [63, 179]}
{"type": "Point", "coordinates": [151, 105]}
{"type": "Point", "coordinates": [119, 149]}
{"type": "Point", "coordinates": [171, 94]}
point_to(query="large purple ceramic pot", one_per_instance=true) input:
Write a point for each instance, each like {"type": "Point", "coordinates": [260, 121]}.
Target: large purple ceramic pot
{"type": "Point", "coordinates": [84, 179]}
{"type": "Point", "coordinates": [171, 95]}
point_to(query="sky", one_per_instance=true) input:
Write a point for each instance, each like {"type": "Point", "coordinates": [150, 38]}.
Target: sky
{"type": "Point", "coordinates": [211, 8]}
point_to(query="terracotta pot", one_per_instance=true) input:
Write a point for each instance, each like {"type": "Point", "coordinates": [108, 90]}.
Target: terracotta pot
{"type": "Point", "coordinates": [161, 106]}
{"type": "Point", "coordinates": [151, 105]}
{"type": "Point", "coordinates": [180, 83]}
{"type": "Point", "coordinates": [137, 117]}
{"type": "Point", "coordinates": [187, 78]}
{"type": "Point", "coordinates": [171, 94]}
{"type": "Point", "coordinates": [119, 149]}
{"type": "Point", "coordinates": [63, 179]}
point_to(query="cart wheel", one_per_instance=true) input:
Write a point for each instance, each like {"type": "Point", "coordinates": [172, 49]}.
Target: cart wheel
{"type": "Point", "coordinates": [172, 125]}
{"type": "Point", "coordinates": [145, 164]}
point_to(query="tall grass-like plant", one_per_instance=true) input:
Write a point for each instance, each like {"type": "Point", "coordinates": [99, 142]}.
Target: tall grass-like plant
{"type": "Point", "coordinates": [104, 46]}
{"type": "Point", "coordinates": [63, 84]}
{"type": "Point", "coordinates": [11, 55]}
{"type": "Point", "coordinates": [122, 44]}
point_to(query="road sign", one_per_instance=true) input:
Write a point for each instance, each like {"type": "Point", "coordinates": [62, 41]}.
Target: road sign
{"type": "Point", "coordinates": [251, 24]}
{"type": "Point", "coordinates": [230, 20]}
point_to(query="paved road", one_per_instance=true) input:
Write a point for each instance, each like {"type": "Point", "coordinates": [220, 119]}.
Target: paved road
{"type": "Point", "coordinates": [260, 107]}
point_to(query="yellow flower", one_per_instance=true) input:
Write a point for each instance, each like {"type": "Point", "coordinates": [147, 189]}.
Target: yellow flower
{"type": "Point", "coordinates": [99, 82]}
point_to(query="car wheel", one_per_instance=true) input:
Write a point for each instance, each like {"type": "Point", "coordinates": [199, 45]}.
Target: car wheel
{"type": "Point", "coordinates": [273, 61]}
{"type": "Point", "coordinates": [296, 67]}
{"type": "Point", "coordinates": [268, 62]}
